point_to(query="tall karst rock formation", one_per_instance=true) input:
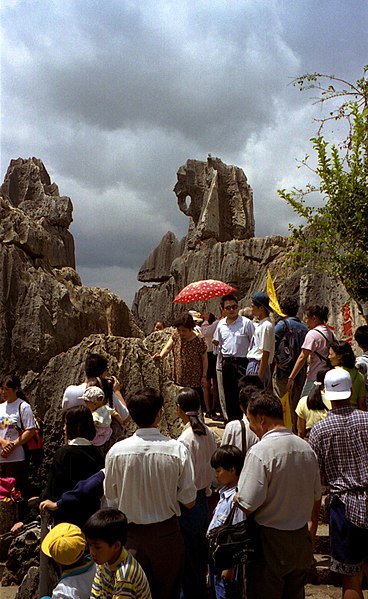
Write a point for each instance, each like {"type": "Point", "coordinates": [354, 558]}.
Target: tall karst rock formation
{"type": "Point", "coordinates": [220, 244]}
{"type": "Point", "coordinates": [49, 321]}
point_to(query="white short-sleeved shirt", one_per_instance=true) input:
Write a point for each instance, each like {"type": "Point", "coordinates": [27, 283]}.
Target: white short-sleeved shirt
{"type": "Point", "coordinates": [11, 424]}
{"type": "Point", "coordinates": [73, 396]}
{"type": "Point", "coordinates": [263, 340]}
{"type": "Point", "coordinates": [200, 448]}
{"type": "Point", "coordinates": [233, 435]}
{"type": "Point", "coordinates": [76, 583]}
{"type": "Point", "coordinates": [234, 339]}
{"type": "Point", "coordinates": [147, 475]}
{"type": "Point", "coordinates": [208, 331]}
{"type": "Point", "coordinates": [280, 479]}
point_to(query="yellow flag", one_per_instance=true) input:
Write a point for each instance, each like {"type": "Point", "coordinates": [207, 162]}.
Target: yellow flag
{"type": "Point", "coordinates": [274, 303]}
{"type": "Point", "coordinates": [286, 410]}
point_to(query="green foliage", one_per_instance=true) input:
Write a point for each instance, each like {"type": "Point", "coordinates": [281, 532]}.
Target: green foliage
{"type": "Point", "coordinates": [335, 238]}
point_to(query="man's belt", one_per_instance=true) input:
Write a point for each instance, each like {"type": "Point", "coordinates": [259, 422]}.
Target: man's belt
{"type": "Point", "coordinates": [234, 359]}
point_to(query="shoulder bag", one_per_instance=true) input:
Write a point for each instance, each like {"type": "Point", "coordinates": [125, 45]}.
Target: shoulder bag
{"type": "Point", "coordinates": [232, 544]}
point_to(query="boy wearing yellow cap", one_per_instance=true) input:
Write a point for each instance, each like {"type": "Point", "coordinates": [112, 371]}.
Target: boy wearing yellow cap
{"type": "Point", "coordinates": [66, 544]}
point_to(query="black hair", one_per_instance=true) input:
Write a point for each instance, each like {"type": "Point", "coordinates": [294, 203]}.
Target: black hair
{"type": "Point", "coordinates": [318, 311]}
{"type": "Point", "coordinates": [249, 384]}
{"type": "Point", "coordinates": [109, 525]}
{"type": "Point", "coordinates": [144, 405]}
{"type": "Point", "coordinates": [185, 320]}
{"type": "Point", "coordinates": [189, 401]}
{"type": "Point", "coordinates": [95, 365]}
{"type": "Point", "coordinates": [13, 382]}
{"type": "Point", "coordinates": [290, 306]}
{"type": "Point", "coordinates": [230, 297]}
{"type": "Point", "coordinates": [227, 457]}
{"type": "Point", "coordinates": [345, 352]}
{"type": "Point", "coordinates": [314, 399]}
{"type": "Point", "coordinates": [266, 404]}
{"type": "Point", "coordinates": [361, 337]}
{"type": "Point", "coordinates": [79, 423]}
{"type": "Point", "coordinates": [211, 318]}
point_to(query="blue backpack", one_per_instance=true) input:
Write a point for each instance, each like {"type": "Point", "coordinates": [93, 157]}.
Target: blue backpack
{"type": "Point", "coordinates": [288, 348]}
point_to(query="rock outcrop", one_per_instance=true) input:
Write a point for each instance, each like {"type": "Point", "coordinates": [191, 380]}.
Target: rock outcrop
{"type": "Point", "coordinates": [45, 308]}
{"type": "Point", "coordinates": [220, 244]}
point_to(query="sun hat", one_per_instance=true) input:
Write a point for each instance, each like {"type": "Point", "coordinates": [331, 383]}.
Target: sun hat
{"type": "Point", "coordinates": [65, 543]}
{"type": "Point", "coordinates": [261, 298]}
{"type": "Point", "coordinates": [337, 384]}
{"type": "Point", "coordinates": [93, 394]}
{"type": "Point", "coordinates": [196, 315]}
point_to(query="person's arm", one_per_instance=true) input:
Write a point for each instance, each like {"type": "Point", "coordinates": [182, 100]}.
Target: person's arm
{"type": "Point", "coordinates": [190, 505]}
{"type": "Point", "coordinates": [168, 347]}
{"type": "Point", "coordinates": [116, 416]}
{"type": "Point", "coordinates": [302, 358]}
{"type": "Point", "coordinates": [48, 505]}
{"type": "Point", "coordinates": [263, 364]}
{"type": "Point", "coordinates": [117, 391]}
{"type": "Point", "coordinates": [204, 368]}
{"type": "Point", "coordinates": [301, 427]}
{"type": "Point", "coordinates": [9, 446]}
{"type": "Point", "coordinates": [228, 574]}
{"type": "Point", "coordinates": [362, 403]}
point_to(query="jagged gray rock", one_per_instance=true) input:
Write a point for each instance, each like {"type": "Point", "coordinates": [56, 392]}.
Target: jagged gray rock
{"type": "Point", "coordinates": [158, 264]}
{"type": "Point", "coordinates": [221, 201]}
{"type": "Point", "coordinates": [45, 308]}
{"type": "Point", "coordinates": [220, 244]}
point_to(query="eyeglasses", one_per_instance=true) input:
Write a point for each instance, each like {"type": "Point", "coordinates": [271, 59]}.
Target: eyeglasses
{"type": "Point", "coordinates": [232, 307]}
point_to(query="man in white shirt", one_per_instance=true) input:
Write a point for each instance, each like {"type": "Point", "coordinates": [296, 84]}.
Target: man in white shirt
{"type": "Point", "coordinates": [280, 482]}
{"type": "Point", "coordinates": [95, 367]}
{"type": "Point", "coordinates": [147, 475]}
{"type": "Point", "coordinates": [233, 336]}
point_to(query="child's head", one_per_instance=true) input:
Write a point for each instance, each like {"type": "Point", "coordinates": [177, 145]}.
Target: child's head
{"type": "Point", "coordinates": [78, 422]}
{"type": "Point", "coordinates": [106, 533]}
{"type": "Point", "coordinates": [249, 385]}
{"type": "Point", "coordinates": [314, 399]}
{"type": "Point", "coordinates": [361, 337]}
{"type": "Point", "coordinates": [65, 543]}
{"type": "Point", "coordinates": [94, 397]}
{"type": "Point", "coordinates": [227, 462]}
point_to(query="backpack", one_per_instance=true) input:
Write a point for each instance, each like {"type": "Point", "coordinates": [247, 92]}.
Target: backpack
{"type": "Point", "coordinates": [289, 347]}
{"type": "Point", "coordinates": [328, 343]}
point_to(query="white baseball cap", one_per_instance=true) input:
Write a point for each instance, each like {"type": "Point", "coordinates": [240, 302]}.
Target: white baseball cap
{"type": "Point", "coordinates": [337, 384]}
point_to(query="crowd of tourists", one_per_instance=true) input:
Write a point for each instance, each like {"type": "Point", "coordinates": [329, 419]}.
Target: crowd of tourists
{"type": "Point", "coordinates": [135, 515]}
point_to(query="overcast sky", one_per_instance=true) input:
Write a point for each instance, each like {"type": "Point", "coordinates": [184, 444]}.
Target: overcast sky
{"type": "Point", "coordinates": [113, 96]}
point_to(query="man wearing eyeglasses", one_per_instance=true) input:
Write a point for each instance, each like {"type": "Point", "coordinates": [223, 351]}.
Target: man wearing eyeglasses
{"type": "Point", "coordinates": [233, 336]}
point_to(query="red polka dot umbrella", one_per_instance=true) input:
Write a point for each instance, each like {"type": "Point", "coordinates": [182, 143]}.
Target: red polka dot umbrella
{"type": "Point", "coordinates": [203, 290]}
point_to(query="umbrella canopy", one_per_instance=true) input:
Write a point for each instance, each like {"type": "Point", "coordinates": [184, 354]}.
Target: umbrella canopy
{"type": "Point", "coordinates": [203, 290]}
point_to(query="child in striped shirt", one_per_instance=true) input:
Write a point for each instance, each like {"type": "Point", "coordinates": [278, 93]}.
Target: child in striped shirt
{"type": "Point", "coordinates": [118, 574]}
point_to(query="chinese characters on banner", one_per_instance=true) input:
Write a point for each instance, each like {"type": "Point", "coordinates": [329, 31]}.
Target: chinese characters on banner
{"type": "Point", "coordinates": [347, 323]}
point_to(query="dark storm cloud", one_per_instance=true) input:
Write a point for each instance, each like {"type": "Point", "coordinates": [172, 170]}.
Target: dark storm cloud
{"type": "Point", "coordinates": [114, 96]}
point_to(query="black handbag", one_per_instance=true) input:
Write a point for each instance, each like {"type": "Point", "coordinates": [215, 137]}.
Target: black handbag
{"type": "Point", "coordinates": [232, 544]}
